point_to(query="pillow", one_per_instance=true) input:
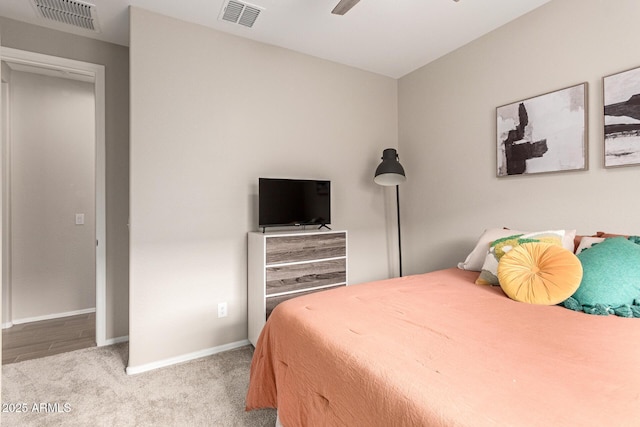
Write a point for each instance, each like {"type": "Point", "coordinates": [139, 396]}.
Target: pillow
{"type": "Point", "coordinates": [611, 279]}
{"type": "Point", "coordinates": [539, 273]}
{"type": "Point", "coordinates": [586, 242]}
{"type": "Point", "coordinates": [499, 247]}
{"type": "Point", "coordinates": [604, 234]}
{"type": "Point", "coordinates": [568, 239]}
{"type": "Point", "coordinates": [475, 259]}
{"type": "Point", "coordinates": [579, 237]}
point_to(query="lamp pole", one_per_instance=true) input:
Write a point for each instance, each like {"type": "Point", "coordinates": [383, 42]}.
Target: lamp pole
{"type": "Point", "coordinates": [399, 233]}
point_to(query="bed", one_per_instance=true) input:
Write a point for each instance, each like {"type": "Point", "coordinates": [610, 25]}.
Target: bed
{"type": "Point", "coordinates": [439, 350]}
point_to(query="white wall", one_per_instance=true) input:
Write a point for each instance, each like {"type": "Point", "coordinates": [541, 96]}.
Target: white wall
{"type": "Point", "coordinates": [5, 167]}
{"type": "Point", "coordinates": [447, 123]}
{"type": "Point", "coordinates": [20, 35]}
{"type": "Point", "coordinates": [2, 177]}
{"type": "Point", "coordinates": [210, 113]}
{"type": "Point", "coordinates": [52, 179]}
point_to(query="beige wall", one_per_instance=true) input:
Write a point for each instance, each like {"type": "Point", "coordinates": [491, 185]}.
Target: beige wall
{"type": "Point", "coordinates": [6, 72]}
{"type": "Point", "coordinates": [2, 212]}
{"type": "Point", "coordinates": [32, 38]}
{"type": "Point", "coordinates": [447, 124]}
{"type": "Point", "coordinates": [52, 179]}
{"type": "Point", "coordinates": [5, 78]}
{"type": "Point", "coordinates": [210, 113]}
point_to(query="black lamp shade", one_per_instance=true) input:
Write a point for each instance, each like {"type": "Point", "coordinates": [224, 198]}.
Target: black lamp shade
{"type": "Point", "coordinates": [390, 171]}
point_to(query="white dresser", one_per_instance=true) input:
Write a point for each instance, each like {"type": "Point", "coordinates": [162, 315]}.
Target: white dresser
{"type": "Point", "coordinates": [286, 265]}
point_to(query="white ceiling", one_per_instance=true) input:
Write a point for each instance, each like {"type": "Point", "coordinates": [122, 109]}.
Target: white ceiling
{"type": "Point", "coordinates": [389, 37]}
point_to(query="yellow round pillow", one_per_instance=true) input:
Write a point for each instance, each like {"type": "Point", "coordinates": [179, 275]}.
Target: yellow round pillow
{"type": "Point", "coordinates": [539, 273]}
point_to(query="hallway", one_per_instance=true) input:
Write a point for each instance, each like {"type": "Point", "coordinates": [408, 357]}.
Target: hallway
{"type": "Point", "coordinates": [47, 337]}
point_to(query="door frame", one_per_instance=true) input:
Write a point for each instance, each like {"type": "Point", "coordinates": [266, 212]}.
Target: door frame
{"type": "Point", "coordinates": [97, 72]}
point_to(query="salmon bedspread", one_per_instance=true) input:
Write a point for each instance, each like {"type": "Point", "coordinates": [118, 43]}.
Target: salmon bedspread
{"type": "Point", "coordinates": [438, 350]}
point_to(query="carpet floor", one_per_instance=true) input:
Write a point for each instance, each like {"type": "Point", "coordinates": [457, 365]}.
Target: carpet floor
{"type": "Point", "coordinates": [90, 388]}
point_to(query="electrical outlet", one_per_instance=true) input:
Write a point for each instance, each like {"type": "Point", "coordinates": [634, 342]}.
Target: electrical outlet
{"type": "Point", "coordinates": [222, 309]}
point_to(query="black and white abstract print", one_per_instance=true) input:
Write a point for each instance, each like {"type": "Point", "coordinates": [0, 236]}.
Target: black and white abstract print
{"type": "Point", "coordinates": [543, 134]}
{"type": "Point", "coordinates": [622, 118]}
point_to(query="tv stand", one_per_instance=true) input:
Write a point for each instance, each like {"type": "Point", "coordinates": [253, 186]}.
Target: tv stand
{"type": "Point", "coordinates": [324, 226]}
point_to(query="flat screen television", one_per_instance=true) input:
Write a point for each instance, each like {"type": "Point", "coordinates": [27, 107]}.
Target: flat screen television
{"type": "Point", "coordinates": [285, 202]}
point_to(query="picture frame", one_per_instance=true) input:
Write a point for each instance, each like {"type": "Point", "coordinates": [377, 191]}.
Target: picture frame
{"type": "Point", "coordinates": [542, 134]}
{"type": "Point", "coordinates": [621, 96]}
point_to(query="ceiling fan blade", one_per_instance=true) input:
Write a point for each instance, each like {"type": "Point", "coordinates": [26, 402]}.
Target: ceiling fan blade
{"type": "Point", "coordinates": [344, 6]}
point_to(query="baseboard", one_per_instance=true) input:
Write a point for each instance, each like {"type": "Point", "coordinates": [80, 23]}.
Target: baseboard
{"type": "Point", "coordinates": [7, 325]}
{"type": "Point", "coordinates": [53, 316]}
{"type": "Point", "coordinates": [117, 340]}
{"type": "Point", "coordinates": [132, 370]}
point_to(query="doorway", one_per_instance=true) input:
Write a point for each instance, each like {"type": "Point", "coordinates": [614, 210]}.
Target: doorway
{"type": "Point", "coordinates": [77, 71]}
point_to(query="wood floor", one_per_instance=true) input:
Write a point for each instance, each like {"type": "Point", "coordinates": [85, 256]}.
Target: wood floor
{"type": "Point", "coordinates": [47, 337]}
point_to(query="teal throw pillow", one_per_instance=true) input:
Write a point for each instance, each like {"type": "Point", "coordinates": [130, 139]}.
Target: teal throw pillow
{"type": "Point", "coordinates": [611, 279]}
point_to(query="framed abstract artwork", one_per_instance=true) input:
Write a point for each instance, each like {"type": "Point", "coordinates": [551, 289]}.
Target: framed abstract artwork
{"type": "Point", "coordinates": [546, 133]}
{"type": "Point", "coordinates": [622, 118]}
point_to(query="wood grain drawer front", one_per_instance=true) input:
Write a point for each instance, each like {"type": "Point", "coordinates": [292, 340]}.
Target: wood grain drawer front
{"type": "Point", "coordinates": [283, 249]}
{"type": "Point", "coordinates": [295, 277]}
{"type": "Point", "coordinates": [271, 302]}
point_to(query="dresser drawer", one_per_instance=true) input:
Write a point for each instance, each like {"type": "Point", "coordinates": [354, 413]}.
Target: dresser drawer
{"type": "Point", "coordinates": [294, 277]}
{"type": "Point", "coordinates": [284, 249]}
{"type": "Point", "coordinates": [271, 302]}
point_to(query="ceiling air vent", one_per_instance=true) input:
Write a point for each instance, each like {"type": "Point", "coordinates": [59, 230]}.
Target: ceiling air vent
{"type": "Point", "coordinates": [69, 12]}
{"type": "Point", "coordinates": [240, 13]}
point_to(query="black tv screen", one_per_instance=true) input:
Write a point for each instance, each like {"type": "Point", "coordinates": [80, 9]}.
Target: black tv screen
{"type": "Point", "coordinates": [293, 202]}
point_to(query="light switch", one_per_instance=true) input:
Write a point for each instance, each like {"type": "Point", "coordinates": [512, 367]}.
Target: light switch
{"type": "Point", "coordinates": [79, 219]}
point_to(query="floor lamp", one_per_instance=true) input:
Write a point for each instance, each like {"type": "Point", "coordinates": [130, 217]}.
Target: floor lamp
{"type": "Point", "coordinates": [390, 172]}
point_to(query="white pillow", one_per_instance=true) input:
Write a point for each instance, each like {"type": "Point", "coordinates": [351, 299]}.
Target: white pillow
{"type": "Point", "coordinates": [587, 242]}
{"type": "Point", "coordinates": [475, 259]}
{"type": "Point", "coordinates": [568, 241]}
